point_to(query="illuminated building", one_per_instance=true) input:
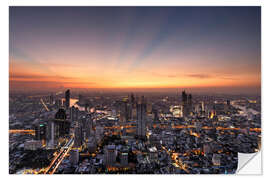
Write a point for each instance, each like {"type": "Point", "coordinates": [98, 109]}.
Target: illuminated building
{"type": "Point", "coordinates": [186, 104]}
{"type": "Point", "coordinates": [72, 114]}
{"type": "Point", "coordinates": [227, 106]}
{"type": "Point", "coordinates": [216, 159]}
{"type": "Point", "coordinates": [228, 102]}
{"type": "Point", "coordinates": [57, 127]}
{"type": "Point", "coordinates": [153, 153]}
{"type": "Point", "coordinates": [86, 106]}
{"type": "Point", "coordinates": [132, 99]}
{"type": "Point", "coordinates": [149, 108]}
{"type": "Point", "coordinates": [51, 99]}
{"type": "Point", "coordinates": [176, 111]}
{"type": "Point", "coordinates": [58, 103]}
{"type": "Point", "coordinates": [91, 144]}
{"type": "Point", "coordinates": [110, 155]}
{"type": "Point", "coordinates": [99, 133]}
{"type": "Point", "coordinates": [74, 157]}
{"type": "Point", "coordinates": [123, 112]}
{"type": "Point", "coordinates": [51, 135]}
{"type": "Point", "coordinates": [141, 118]}
{"type": "Point", "coordinates": [67, 99]}
{"type": "Point", "coordinates": [89, 125]}
{"type": "Point", "coordinates": [124, 157]}
{"type": "Point", "coordinates": [62, 124]}
{"type": "Point", "coordinates": [78, 136]}
{"type": "Point", "coordinates": [207, 149]}
{"type": "Point", "coordinates": [219, 108]}
{"type": "Point", "coordinates": [40, 132]}
{"type": "Point", "coordinates": [202, 106]}
{"type": "Point", "coordinates": [76, 114]}
{"type": "Point", "coordinates": [189, 103]}
{"type": "Point", "coordinates": [134, 113]}
{"type": "Point", "coordinates": [32, 145]}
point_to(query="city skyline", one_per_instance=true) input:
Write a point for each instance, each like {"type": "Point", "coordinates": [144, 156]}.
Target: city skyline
{"type": "Point", "coordinates": [135, 47]}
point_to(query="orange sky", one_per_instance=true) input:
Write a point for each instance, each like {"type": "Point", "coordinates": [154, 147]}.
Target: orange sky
{"type": "Point", "coordinates": [53, 48]}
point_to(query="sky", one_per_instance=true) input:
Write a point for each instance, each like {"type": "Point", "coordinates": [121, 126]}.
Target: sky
{"type": "Point", "coordinates": [135, 48]}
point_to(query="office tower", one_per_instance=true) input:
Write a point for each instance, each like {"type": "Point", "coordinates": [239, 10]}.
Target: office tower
{"type": "Point", "coordinates": [184, 97]}
{"type": "Point", "coordinates": [141, 118]}
{"type": "Point", "coordinates": [99, 133]}
{"type": "Point", "coordinates": [91, 144]}
{"type": "Point", "coordinates": [51, 99]}
{"type": "Point", "coordinates": [40, 132]}
{"type": "Point", "coordinates": [134, 113]}
{"type": "Point", "coordinates": [207, 148]}
{"type": "Point", "coordinates": [72, 113]}
{"type": "Point", "coordinates": [227, 106]}
{"type": "Point", "coordinates": [123, 112]}
{"type": "Point", "coordinates": [149, 108]}
{"type": "Point", "coordinates": [189, 103]}
{"type": "Point", "coordinates": [67, 99]}
{"type": "Point", "coordinates": [76, 114]}
{"type": "Point", "coordinates": [202, 107]}
{"type": "Point", "coordinates": [129, 111]}
{"type": "Point", "coordinates": [89, 125]}
{"type": "Point", "coordinates": [62, 124]}
{"type": "Point", "coordinates": [74, 157]}
{"type": "Point", "coordinates": [132, 99]}
{"type": "Point", "coordinates": [78, 135]}
{"type": "Point", "coordinates": [58, 103]}
{"type": "Point", "coordinates": [86, 106]}
{"type": "Point", "coordinates": [32, 145]}
{"type": "Point", "coordinates": [51, 135]}
{"type": "Point", "coordinates": [110, 155]}
{"type": "Point", "coordinates": [156, 118]}
{"type": "Point", "coordinates": [124, 157]}
{"type": "Point", "coordinates": [197, 109]}
{"type": "Point", "coordinates": [184, 104]}
{"type": "Point", "coordinates": [216, 159]}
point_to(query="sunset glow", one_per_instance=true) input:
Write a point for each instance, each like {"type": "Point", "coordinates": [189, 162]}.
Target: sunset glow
{"type": "Point", "coordinates": [114, 47]}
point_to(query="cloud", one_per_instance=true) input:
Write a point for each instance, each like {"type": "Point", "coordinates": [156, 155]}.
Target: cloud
{"type": "Point", "coordinates": [200, 76]}
{"type": "Point", "coordinates": [33, 76]}
{"type": "Point", "coordinates": [209, 76]}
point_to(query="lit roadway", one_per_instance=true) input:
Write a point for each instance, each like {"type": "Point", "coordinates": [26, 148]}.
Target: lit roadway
{"type": "Point", "coordinates": [178, 163]}
{"type": "Point", "coordinates": [59, 157]}
{"type": "Point", "coordinates": [22, 131]}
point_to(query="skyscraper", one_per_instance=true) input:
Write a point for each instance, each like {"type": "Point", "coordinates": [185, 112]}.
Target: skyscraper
{"type": "Point", "coordinates": [141, 118]}
{"type": "Point", "coordinates": [189, 102]}
{"type": "Point", "coordinates": [186, 104]}
{"type": "Point", "coordinates": [184, 97]}
{"type": "Point", "coordinates": [51, 99]}
{"type": "Point", "coordinates": [74, 157]}
{"type": "Point", "coordinates": [67, 99]}
{"type": "Point", "coordinates": [89, 125]}
{"type": "Point", "coordinates": [123, 112]}
{"type": "Point", "coordinates": [58, 103]}
{"type": "Point", "coordinates": [132, 98]}
{"type": "Point", "coordinates": [78, 136]}
{"type": "Point", "coordinates": [110, 155]}
{"type": "Point", "coordinates": [72, 114]}
{"type": "Point", "coordinates": [62, 124]}
{"type": "Point", "coordinates": [40, 131]}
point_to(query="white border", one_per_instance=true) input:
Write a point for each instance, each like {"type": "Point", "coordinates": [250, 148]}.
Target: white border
{"type": "Point", "coordinates": [4, 72]}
